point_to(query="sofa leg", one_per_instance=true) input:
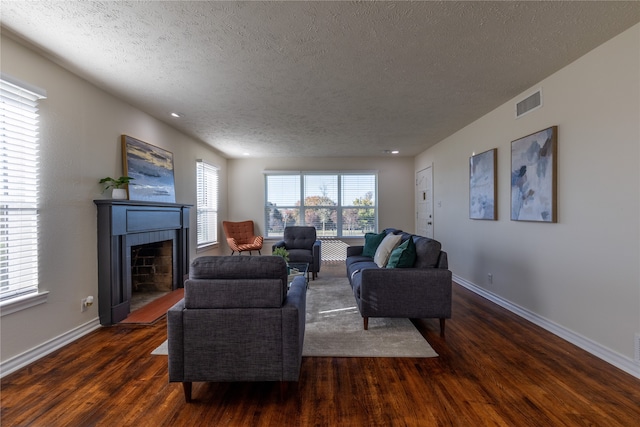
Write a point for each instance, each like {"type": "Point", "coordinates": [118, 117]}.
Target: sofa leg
{"type": "Point", "coordinates": [442, 327]}
{"type": "Point", "coordinates": [186, 386]}
{"type": "Point", "coordinates": [366, 323]}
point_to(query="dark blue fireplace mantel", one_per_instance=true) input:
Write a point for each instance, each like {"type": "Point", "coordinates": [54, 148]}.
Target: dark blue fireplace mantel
{"type": "Point", "coordinates": [126, 223]}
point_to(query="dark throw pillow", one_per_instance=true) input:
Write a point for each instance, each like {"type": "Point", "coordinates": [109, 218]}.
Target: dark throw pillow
{"type": "Point", "coordinates": [404, 256]}
{"type": "Point", "coordinates": [371, 243]}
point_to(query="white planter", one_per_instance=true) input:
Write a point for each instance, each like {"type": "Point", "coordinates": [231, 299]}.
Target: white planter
{"type": "Point", "coordinates": [119, 193]}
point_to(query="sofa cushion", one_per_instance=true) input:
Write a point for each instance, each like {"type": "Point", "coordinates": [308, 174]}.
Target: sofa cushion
{"type": "Point", "coordinates": [357, 258]}
{"type": "Point", "coordinates": [371, 243]}
{"type": "Point", "coordinates": [359, 266]}
{"type": "Point", "coordinates": [427, 252]}
{"type": "Point", "coordinates": [404, 256]}
{"type": "Point", "coordinates": [388, 244]}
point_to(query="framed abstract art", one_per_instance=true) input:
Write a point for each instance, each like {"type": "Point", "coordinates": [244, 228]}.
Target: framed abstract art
{"type": "Point", "coordinates": [482, 185]}
{"type": "Point", "coordinates": [534, 160]}
{"type": "Point", "coordinates": [151, 168]}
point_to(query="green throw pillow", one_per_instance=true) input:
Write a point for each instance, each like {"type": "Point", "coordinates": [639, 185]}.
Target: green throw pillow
{"type": "Point", "coordinates": [404, 256]}
{"type": "Point", "coordinates": [371, 243]}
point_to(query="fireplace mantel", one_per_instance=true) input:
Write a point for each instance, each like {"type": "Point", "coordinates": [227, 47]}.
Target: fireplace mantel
{"type": "Point", "coordinates": [126, 223]}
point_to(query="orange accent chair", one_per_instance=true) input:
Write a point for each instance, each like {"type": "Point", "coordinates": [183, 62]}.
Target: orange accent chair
{"type": "Point", "coordinates": [240, 237]}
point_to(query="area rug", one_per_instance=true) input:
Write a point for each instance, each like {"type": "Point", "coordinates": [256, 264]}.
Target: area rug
{"type": "Point", "coordinates": [334, 327]}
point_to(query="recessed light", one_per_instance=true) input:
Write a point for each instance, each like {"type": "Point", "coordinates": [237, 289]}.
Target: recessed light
{"type": "Point", "coordinates": [394, 152]}
{"type": "Point", "coordinates": [245, 154]}
{"type": "Point", "coordinates": [176, 115]}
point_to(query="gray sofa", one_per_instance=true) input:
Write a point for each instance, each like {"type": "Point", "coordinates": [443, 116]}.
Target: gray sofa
{"type": "Point", "coordinates": [237, 322]}
{"type": "Point", "coordinates": [421, 291]}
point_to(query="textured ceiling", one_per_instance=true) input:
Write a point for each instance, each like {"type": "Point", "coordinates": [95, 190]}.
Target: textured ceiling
{"type": "Point", "coordinates": [316, 78]}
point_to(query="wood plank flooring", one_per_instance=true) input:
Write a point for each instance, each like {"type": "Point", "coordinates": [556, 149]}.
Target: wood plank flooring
{"type": "Point", "coordinates": [494, 369]}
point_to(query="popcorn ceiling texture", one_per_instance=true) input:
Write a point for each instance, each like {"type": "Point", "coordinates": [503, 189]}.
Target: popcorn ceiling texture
{"type": "Point", "coordinates": [317, 78]}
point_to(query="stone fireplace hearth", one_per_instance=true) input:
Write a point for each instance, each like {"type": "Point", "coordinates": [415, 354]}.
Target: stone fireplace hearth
{"type": "Point", "coordinates": [130, 233]}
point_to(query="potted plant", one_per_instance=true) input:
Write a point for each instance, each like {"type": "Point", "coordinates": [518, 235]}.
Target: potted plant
{"type": "Point", "coordinates": [280, 251]}
{"type": "Point", "coordinates": [117, 191]}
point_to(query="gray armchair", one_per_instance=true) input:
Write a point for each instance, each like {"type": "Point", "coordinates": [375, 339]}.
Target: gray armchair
{"type": "Point", "coordinates": [237, 322]}
{"type": "Point", "coordinates": [303, 246]}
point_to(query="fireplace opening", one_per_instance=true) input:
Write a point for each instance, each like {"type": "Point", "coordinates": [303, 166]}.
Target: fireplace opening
{"type": "Point", "coordinates": [151, 272]}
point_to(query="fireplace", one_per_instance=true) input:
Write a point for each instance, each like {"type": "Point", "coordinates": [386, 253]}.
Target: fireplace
{"type": "Point", "coordinates": [152, 267]}
{"type": "Point", "coordinates": [136, 239]}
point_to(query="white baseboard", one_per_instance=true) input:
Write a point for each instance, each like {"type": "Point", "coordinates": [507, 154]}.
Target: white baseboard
{"type": "Point", "coordinates": [625, 363]}
{"type": "Point", "coordinates": [30, 356]}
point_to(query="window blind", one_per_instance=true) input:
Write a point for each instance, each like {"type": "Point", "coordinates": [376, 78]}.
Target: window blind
{"type": "Point", "coordinates": [18, 188]}
{"type": "Point", "coordinates": [337, 204]}
{"type": "Point", "coordinates": [207, 208]}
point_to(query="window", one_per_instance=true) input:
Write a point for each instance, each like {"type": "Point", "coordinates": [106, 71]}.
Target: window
{"type": "Point", "coordinates": [207, 209]}
{"type": "Point", "coordinates": [336, 204]}
{"type": "Point", "coordinates": [18, 189]}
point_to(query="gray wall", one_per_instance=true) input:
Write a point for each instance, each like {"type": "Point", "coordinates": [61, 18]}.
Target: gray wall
{"type": "Point", "coordinates": [581, 274]}
{"type": "Point", "coordinates": [80, 140]}
{"type": "Point", "coordinates": [395, 186]}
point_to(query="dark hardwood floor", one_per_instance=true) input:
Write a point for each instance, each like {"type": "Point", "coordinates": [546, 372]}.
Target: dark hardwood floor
{"type": "Point", "coordinates": [494, 369]}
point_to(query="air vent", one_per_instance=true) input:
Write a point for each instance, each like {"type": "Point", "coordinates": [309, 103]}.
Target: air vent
{"type": "Point", "coordinates": [529, 104]}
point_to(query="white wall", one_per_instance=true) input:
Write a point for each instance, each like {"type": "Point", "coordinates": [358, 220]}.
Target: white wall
{"type": "Point", "coordinates": [582, 273]}
{"type": "Point", "coordinates": [396, 186]}
{"type": "Point", "coordinates": [80, 139]}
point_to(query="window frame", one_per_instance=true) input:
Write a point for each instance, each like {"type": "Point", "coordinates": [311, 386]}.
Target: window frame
{"type": "Point", "coordinates": [210, 206]}
{"type": "Point", "coordinates": [301, 207]}
{"type": "Point", "coordinates": [19, 128]}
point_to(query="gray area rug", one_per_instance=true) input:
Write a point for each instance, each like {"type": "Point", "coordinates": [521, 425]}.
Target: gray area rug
{"type": "Point", "coordinates": [335, 329]}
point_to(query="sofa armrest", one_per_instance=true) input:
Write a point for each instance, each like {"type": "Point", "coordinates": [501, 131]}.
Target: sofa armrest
{"type": "Point", "coordinates": [293, 327]}
{"type": "Point", "coordinates": [409, 292]}
{"type": "Point", "coordinates": [317, 258]}
{"type": "Point", "coordinates": [443, 261]}
{"type": "Point", "coordinates": [354, 250]}
{"type": "Point", "coordinates": [278, 244]}
{"type": "Point", "coordinates": [175, 342]}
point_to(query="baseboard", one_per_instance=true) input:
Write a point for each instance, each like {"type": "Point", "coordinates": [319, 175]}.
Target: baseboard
{"type": "Point", "coordinates": [9, 366]}
{"type": "Point", "coordinates": [601, 352]}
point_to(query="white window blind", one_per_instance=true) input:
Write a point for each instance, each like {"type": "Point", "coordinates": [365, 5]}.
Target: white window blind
{"type": "Point", "coordinates": [18, 188]}
{"type": "Point", "coordinates": [207, 209]}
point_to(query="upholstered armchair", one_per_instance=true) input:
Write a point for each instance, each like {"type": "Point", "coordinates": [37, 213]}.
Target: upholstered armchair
{"type": "Point", "coordinates": [303, 246]}
{"type": "Point", "coordinates": [238, 321]}
{"type": "Point", "coordinates": [241, 237]}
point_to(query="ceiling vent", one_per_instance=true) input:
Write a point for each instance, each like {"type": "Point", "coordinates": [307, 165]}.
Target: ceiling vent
{"type": "Point", "coordinates": [529, 104]}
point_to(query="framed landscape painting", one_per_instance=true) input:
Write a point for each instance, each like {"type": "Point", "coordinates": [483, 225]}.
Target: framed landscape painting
{"type": "Point", "coordinates": [482, 185]}
{"type": "Point", "coordinates": [151, 168]}
{"type": "Point", "coordinates": [534, 176]}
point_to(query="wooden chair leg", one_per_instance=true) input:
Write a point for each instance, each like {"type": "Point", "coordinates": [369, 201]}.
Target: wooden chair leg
{"type": "Point", "coordinates": [366, 323]}
{"type": "Point", "coordinates": [442, 327]}
{"type": "Point", "coordinates": [187, 386]}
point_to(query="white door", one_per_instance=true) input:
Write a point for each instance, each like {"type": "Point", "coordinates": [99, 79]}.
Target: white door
{"type": "Point", "coordinates": [424, 202]}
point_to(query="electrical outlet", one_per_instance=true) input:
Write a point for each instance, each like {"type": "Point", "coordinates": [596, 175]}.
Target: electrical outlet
{"type": "Point", "coordinates": [84, 307]}
{"type": "Point", "coordinates": [490, 278]}
{"type": "Point", "coordinates": [636, 345]}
